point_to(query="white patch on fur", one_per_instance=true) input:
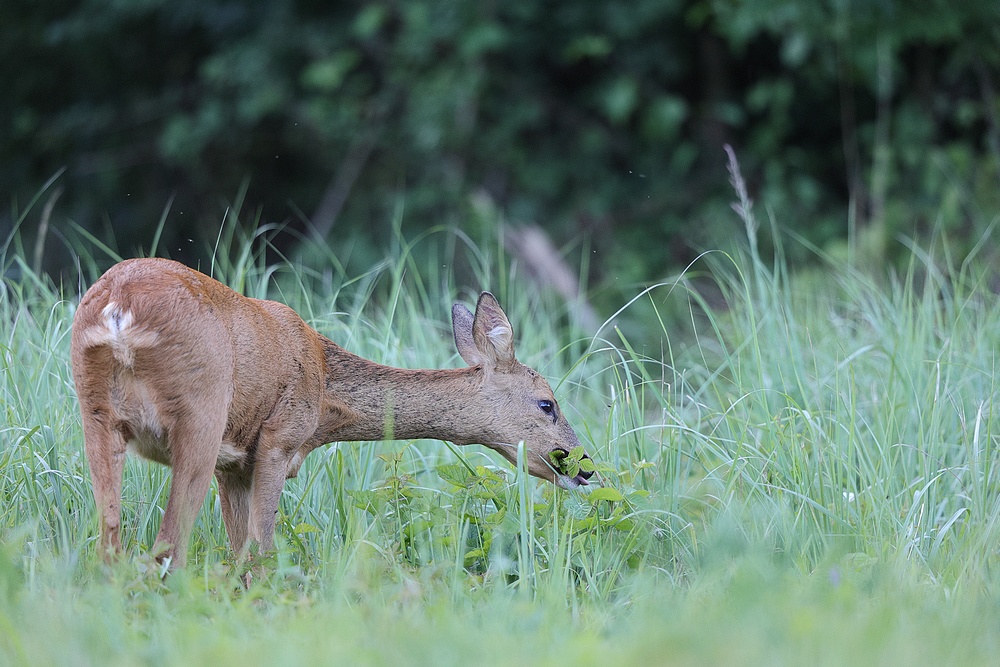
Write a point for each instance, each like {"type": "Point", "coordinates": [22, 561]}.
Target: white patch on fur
{"type": "Point", "coordinates": [121, 333]}
{"type": "Point", "coordinates": [116, 319]}
{"type": "Point", "coordinates": [497, 332]}
{"type": "Point", "coordinates": [500, 335]}
{"type": "Point", "coordinates": [116, 324]}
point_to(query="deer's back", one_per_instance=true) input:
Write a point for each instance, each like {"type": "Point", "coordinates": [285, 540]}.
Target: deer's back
{"type": "Point", "coordinates": [174, 341]}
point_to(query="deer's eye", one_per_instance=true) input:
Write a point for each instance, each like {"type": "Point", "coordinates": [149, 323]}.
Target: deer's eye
{"type": "Point", "coordinates": [548, 408]}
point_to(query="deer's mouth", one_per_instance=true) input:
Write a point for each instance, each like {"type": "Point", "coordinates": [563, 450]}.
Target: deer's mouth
{"type": "Point", "coordinates": [573, 482]}
{"type": "Point", "coordinates": [565, 478]}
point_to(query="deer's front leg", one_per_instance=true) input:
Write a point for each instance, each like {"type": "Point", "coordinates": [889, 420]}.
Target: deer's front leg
{"type": "Point", "coordinates": [279, 450]}
{"type": "Point", "coordinates": [234, 498]}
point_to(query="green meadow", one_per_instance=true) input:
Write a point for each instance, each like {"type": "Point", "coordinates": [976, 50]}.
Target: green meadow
{"type": "Point", "coordinates": [793, 467]}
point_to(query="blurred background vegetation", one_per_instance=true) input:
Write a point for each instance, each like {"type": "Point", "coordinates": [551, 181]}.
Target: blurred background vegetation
{"type": "Point", "coordinates": [856, 122]}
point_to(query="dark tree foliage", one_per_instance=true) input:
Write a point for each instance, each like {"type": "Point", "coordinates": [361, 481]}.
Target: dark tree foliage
{"type": "Point", "coordinates": [599, 118]}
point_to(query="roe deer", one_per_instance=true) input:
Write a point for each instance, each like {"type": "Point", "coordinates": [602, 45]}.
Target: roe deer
{"type": "Point", "coordinates": [189, 373]}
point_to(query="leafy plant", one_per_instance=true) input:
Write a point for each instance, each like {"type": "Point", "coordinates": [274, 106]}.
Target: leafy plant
{"type": "Point", "coordinates": [572, 463]}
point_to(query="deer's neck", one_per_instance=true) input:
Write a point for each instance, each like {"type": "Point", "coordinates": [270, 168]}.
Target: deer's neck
{"type": "Point", "coordinates": [369, 401]}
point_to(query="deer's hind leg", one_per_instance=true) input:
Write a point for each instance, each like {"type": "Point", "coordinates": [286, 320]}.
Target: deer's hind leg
{"type": "Point", "coordinates": [105, 448]}
{"type": "Point", "coordinates": [104, 444]}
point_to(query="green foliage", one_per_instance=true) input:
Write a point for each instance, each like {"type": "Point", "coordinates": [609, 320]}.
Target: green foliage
{"type": "Point", "coordinates": [571, 463]}
{"type": "Point", "coordinates": [811, 477]}
{"type": "Point", "coordinates": [600, 119]}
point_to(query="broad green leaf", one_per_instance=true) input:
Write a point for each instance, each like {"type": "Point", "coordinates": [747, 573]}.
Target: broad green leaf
{"type": "Point", "coordinates": [605, 493]}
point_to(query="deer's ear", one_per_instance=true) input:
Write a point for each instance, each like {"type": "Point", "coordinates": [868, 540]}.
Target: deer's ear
{"type": "Point", "coordinates": [492, 334]}
{"type": "Point", "coordinates": [461, 323]}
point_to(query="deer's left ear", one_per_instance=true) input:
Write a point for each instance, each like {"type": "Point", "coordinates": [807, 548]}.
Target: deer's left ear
{"type": "Point", "coordinates": [461, 323]}
{"type": "Point", "coordinates": [492, 333]}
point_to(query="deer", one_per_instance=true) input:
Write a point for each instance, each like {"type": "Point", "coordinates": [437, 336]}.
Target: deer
{"type": "Point", "coordinates": [178, 368]}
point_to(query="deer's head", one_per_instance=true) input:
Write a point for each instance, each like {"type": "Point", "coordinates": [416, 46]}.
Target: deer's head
{"type": "Point", "coordinates": [521, 404]}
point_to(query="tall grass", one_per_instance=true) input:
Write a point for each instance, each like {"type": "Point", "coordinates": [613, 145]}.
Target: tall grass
{"type": "Point", "coordinates": [793, 467]}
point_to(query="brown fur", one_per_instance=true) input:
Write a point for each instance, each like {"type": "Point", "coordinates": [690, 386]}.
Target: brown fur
{"type": "Point", "coordinates": [193, 375]}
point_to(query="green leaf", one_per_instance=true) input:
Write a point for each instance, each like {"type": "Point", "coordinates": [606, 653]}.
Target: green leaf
{"type": "Point", "coordinates": [587, 46]}
{"type": "Point", "coordinates": [326, 75]}
{"type": "Point", "coordinates": [455, 474]}
{"type": "Point", "coordinates": [624, 524]}
{"type": "Point", "coordinates": [495, 518]}
{"type": "Point", "coordinates": [565, 464]}
{"type": "Point", "coordinates": [483, 38]}
{"type": "Point", "coordinates": [473, 554]}
{"type": "Point", "coordinates": [369, 20]}
{"type": "Point", "coordinates": [366, 500]}
{"type": "Point", "coordinates": [664, 117]}
{"type": "Point", "coordinates": [619, 99]}
{"type": "Point", "coordinates": [605, 493]}
{"type": "Point", "coordinates": [575, 507]}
